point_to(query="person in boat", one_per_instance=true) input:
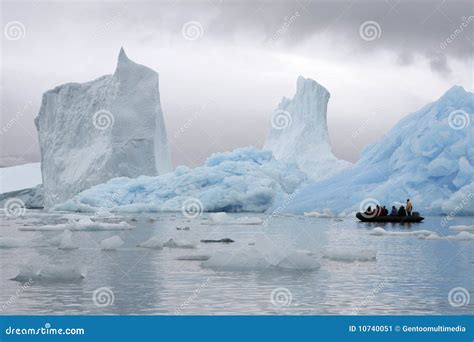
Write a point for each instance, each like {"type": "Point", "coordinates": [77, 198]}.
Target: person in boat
{"type": "Point", "coordinates": [409, 207]}
{"type": "Point", "coordinates": [402, 211]}
{"type": "Point", "coordinates": [378, 210]}
{"type": "Point", "coordinates": [384, 211]}
{"type": "Point", "coordinates": [394, 211]}
{"type": "Point", "coordinates": [369, 211]}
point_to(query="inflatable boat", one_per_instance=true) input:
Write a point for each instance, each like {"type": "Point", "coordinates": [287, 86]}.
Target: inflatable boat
{"type": "Point", "coordinates": [397, 219]}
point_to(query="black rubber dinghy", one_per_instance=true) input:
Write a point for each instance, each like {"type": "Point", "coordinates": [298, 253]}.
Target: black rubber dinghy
{"type": "Point", "coordinates": [396, 219]}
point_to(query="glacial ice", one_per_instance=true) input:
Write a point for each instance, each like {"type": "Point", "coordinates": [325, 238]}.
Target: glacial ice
{"type": "Point", "coordinates": [224, 219]}
{"type": "Point", "coordinates": [299, 132]}
{"type": "Point", "coordinates": [379, 231]}
{"type": "Point", "coordinates": [246, 179]}
{"type": "Point", "coordinates": [66, 242]}
{"type": "Point", "coordinates": [425, 157]}
{"type": "Point", "coordinates": [111, 243]}
{"type": "Point", "coordinates": [92, 132]}
{"type": "Point", "coordinates": [348, 255]}
{"type": "Point", "coordinates": [80, 224]}
{"type": "Point", "coordinates": [155, 242]}
{"type": "Point", "coordinates": [327, 213]}
{"type": "Point", "coordinates": [460, 228]}
{"type": "Point", "coordinates": [50, 273]}
{"type": "Point", "coordinates": [20, 177]}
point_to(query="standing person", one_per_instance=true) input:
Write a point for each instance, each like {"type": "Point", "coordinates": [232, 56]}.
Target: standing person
{"type": "Point", "coordinates": [409, 207]}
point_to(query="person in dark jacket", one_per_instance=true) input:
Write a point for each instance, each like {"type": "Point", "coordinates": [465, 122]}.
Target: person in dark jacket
{"type": "Point", "coordinates": [384, 211]}
{"type": "Point", "coordinates": [394, 211]}
{"type": "Point", "coordinates": [402, 211]}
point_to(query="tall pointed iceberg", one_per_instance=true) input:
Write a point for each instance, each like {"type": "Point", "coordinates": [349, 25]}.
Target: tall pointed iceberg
{"type": "Point", "coordinates": [299, 131]}
{"type": "Point", "coordinates": [92, 132]}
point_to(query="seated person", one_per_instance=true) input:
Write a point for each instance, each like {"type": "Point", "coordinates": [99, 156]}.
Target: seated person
{"type": "Point", "coordinates": [369, 211]}
{"type": "Point", "coordinates": [394, 211]}
{"type": "Point", "coordinates": [384, 211]}
{"type": "Point", "coordinates": [402, 211]}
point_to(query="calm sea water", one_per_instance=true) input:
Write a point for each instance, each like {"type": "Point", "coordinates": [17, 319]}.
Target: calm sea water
{"type": "Point", "coordinates": [409, 275]}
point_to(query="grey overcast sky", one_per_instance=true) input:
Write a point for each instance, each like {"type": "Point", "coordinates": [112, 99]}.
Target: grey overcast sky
{"type": "Point", "coordinates": [224, 65]}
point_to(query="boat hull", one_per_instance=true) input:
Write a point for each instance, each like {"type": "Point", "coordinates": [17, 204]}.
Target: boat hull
{"type": "Point", "coordinates": [396, 219]}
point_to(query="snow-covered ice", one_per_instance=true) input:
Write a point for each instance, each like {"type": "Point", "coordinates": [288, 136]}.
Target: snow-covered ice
{"type": "Point", "coordinates": [379, 231]}
{"type": "Point", "coordinates": [109, 127]}
{"type": "Point", "coordinates": [327, 213]}
{"type": "Point", "coordinates": [224, 219]}
{"type": "Point", "coordinates": [245, 179]}
{"type": "Point", "coordinates": [155, 242]}
{"type": "Point", "coordinates": [111, 243]}
{"type": "Point", "coordinates": [67, 242]}
{"type": "Point", "coordinates": [299, 131]}
{"type": "Point", "coordinates": [173, 243]}
{"type": "Point", "coordinates": [460, 228]}
{"type": "Point", "coordinates": [50, 273]}
{"type": "Point", "coordinates": [80, 224]}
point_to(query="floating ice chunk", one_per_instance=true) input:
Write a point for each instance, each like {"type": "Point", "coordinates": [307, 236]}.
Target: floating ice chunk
{"type": "Point", "coordinates": [50, 273]}
{"type": "Point", "coordinates": [461, 236]}
{"type": "Point", "coordinates": [9, 242]}
{"type": "Point", "coordinates": [171, 243]}
{"type": "Point", "coordinates": [379, 231]}
{"type": "Point", "coordinates": [81, 224]}
{"type": "Point", "coordinates": [154, 242]}
{"type": "Point", "coordinates": [299, 260]}
{"type": "Point", "coordinates": [224, 219]}
{"type": "Point", "coordinates": [327, 213]}
{"type": "Point", "coordinates": [350, 255]}
{"type": "Point", "coordinates": [111, 243]}
{"type": "Point", "coordinates": [462, 228]}
{"type": "Point", "coordinates": [197, 257]}
{"type": "Point", "coordinates": [66, 241]}
{"type": "Point", "coordinates": [237, 260]}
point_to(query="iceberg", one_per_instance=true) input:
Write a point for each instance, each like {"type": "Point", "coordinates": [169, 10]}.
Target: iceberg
{"type": "Point", "coordinates": [246, 179]}
{"type": "Point", "coordinates": [85, 224]}
{"type": "Point", "coordinates": [299, 132]}
{"type": "Point", "coordinates": [111, 243]}
{"type": "Point", "coordinates": [109, 127]}
{"type": "Point", "coordinates": [426, 157]}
